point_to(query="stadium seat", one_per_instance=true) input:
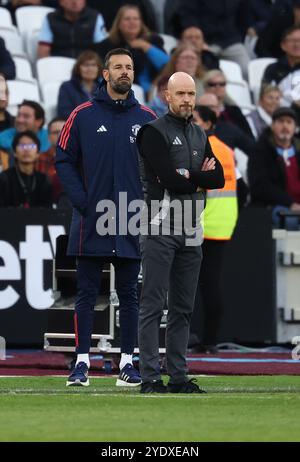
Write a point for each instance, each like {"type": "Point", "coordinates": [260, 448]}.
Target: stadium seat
{"type": "Point", "coordinates": [49, 92]}
{"type": "Point", "coordinates": [13, 41]}
{"type": "Point", "coordinates": [170, 42]}
{"type": "Point", "coordinates": [239, 92]}
{"type": "Point", "coordinates": [30, 18]}
{"type": "Point", "coordinates": [31, 44]}
{"type": "Point", "coordinates": [5, 17]}
{"type": "Point", "coordinates": [139, 93]}
{"type": "Point", "coordinates": [23, 69]}
{"type": "Point", "coordinates": [256, 69]}
{"type": "Point", "coordinates": [54, 69]}
{"type": "Point", "coordinates": [20, 90]}
{"type": "Point", "coordinates": [232, 70]}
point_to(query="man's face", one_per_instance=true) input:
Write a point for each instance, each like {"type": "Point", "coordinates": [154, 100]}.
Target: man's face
{"type": "Point", "coordinates": [194, 36]}
{"type": "Point", "coordinates": [182, 99]}
{"type": "Point", "coordinates": [26, 120]}
{"type": "Point", "coordinates": [54, 131]}
{"type": "Point", "coordinates": [291, 44]}
{"type": "Point", "coordinates": [26, 151]}
{"type": "Point", "coordinates": [284, 129]}
{"type": "Point", "coordinates": [119, 75]}
{"type": "Point", "coordinates": [217, 86]}
{"type": "Point", "coordinates": [72, 6]}
{"type": "Point", "coordinates": [211, 101]}
{"type": "Point", "coordinates": [270, 101]}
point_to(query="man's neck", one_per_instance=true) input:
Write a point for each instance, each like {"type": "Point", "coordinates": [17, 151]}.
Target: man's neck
{"type": "Point", "coordinates": [283, 144]}
{"type": "Point", "coordinates": [115, 95]}
{"type": "Point", "coordinates": [70, 16]}
{"type": "Point", "coordinates": [2, 115]}
{"type": "Point", "coordinates": [88, 84]}
{"type": "Point", "coordinates": [293, 61]}
{"type": "Point", "coordinates": [27, 169]}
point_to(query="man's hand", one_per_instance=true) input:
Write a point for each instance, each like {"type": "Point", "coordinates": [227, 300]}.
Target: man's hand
{"type": "Point", "coordinates": [295, 207]}
{"type": "Point", "coordinates": [208, 164]}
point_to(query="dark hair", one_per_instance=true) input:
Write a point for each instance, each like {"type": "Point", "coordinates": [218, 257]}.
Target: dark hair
{"type": "Point", "coordinates": [288, 32]}
{"type": "Point", "coordinates": [56, 119]}
{"type": "Point", "coordinates": [39, 112]}
{"type": "Point", "coordinates": [116, 51]}
{"type": "Point", "coordinates": [29, 134]}
{"type": "Point", "coordinates": [207, 114]}
{"type": "Point", "coordinates": [87, 55]}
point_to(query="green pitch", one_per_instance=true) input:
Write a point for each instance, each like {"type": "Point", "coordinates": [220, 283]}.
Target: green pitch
{"type": "Point", "coordinates": [258, 408]}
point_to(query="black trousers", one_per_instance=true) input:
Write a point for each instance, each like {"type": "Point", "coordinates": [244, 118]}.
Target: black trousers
{"type": "Point", "coordinates": [89, 272]}
{"type": "Point", "coordinates": [170, 267]}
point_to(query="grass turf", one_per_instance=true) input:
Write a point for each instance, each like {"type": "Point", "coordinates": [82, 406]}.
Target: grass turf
{"type": "Point", "coordinates": [261, 408]}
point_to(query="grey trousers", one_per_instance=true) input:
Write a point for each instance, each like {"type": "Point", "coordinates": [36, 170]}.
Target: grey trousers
{"type": "Point", "coordinates": [170, 267]}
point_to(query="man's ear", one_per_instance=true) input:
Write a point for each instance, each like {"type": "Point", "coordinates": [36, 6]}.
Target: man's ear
{"type": "Point", "coordinates": [167, 95]}
{"type": "Point", "coordinates": [105, 74]}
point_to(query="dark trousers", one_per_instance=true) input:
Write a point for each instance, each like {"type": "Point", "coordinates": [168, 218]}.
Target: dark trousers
{"type": "Point", "coordinates": [89, 272]}
{"type": "Point", "coordinates": [210, 285]}
{"type": "Point", "coordinates": [170, 268]}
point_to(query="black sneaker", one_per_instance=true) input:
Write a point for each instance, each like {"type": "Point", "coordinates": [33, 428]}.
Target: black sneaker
{"type": "Point", "coordinates": [79, 376]}
{"type": "Point", "coordinates": [185, 387]}
{"type": "Point", "coordinates": [157, 386]}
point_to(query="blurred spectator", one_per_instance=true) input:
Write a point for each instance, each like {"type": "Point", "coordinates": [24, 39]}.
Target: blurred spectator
{"type": "Point", "coordinates": [261, 117]}
{"type": "Point", "coordinates": [194, 36]}
{"type": "Point", "coordinates": [186, 59]}
{"type": "Point", "coordinates": [6, 119]}
{"type": "Point", "coordinates": [30, 116]}
{"type": "Point", "coordinates": [229, 133]}
{"type": "Point", "coordinates": [259, 13]}
{"type": "Point", "coordinates": [82, 85]}
{"type": "Point", "coordinates": [223, 23]}
{"type": "Point", "coordinates": [172, 21]}
{"type": "Point", "coordinates": [110, 8]}
{"type": "Point", "coordinates": [274, 168]}
{"type": "Point", "coordinates": [286, 71]}
{"type": "Point", "coordinates": [21, 185]}
{"type": "Point", "coordinates": [215, 82]}
{"type": "Point", "coordinates": [7, 65]}
{"type": "Point", "coordinates": [46, 160]}
{"type": "Point", "coordinates": [128, 31]}
{"type": "Point", "coordinates": [71, 29]}
{"type": "Point", "coordinates": [159, 103]}
{"type": "Point", "coordinates": [285, 14]}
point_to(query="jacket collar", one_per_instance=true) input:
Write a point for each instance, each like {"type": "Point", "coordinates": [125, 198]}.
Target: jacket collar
{"type": "Point", "coordinates": [181, 121]}
{"type": "Point", "coordinates": [101, 95]}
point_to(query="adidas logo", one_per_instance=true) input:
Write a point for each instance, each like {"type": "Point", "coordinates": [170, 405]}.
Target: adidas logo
{"type": "Point", "coordinates": [177, 141]}
{"type": "Point", "coordinates": [101, 129]}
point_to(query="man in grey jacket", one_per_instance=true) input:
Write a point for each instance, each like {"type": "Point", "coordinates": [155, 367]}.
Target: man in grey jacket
{"type": "Point", "coordinates": [178, 165]}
